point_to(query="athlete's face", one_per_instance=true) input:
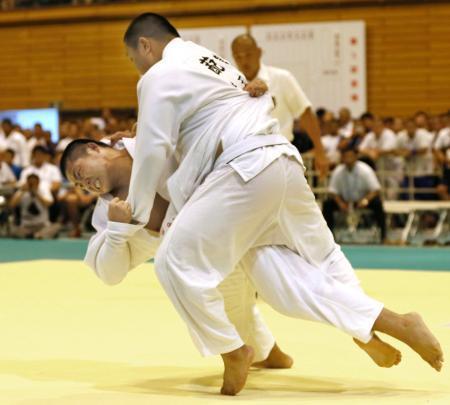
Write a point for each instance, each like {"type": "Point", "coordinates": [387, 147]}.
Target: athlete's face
{"type": "Point", "coordinates": [142, 56]}
{"type": "Point", "coordinates": [90, 171]}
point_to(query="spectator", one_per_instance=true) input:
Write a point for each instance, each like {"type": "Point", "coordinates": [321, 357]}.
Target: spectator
{"type": "Point", "coordinates": [68, 131]}
{"type": "Point", "coordinates": [8, 158]}
{"type": "Point", "coordinates": [47, 172]}
{"type": "Point", "coordinates": [442, 155]}
{"type": "Point", "coordinates": [415, 145]}
{"type": "Point", "coordinates": [33, 200]}
{"type": "Point", "coordinates": [10, 138]}
{"type": "Point", "coordinates": [380, 145]}
{"type": "Point", "coordinates": [7, 177]}
{"type": "Point", "coordinates": [37, 137]}
{"type": "Point", "coordinates": [367, 120]}
{"type": "Point", "coordinates": [345, 123]}
{"type": "Point", "coordinates": [331, 141]}
{"type": "Point", "coordinates": [398, 126]}
{"type": "Point", "coordinates": [354, 184]}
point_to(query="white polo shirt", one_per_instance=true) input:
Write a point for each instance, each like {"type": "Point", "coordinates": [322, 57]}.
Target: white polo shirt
{"type": "Point", "coordinates": [353, 185]}
{"type": "Point", "coordinates": [289, 98]}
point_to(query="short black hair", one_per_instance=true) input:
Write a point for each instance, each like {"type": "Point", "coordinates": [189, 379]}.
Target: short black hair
{"type": "Point", "coordinates": [40, 148]}
{"type": "Point", "coordinates": [149, 25]}
{"type": "Point", "coordinates": [367, 116]}
{"type": "Point", "coordinates": [33, 175]}
{"type": "Point", "coordinates": [7, 121]}
{"type": "Point", "coordinates": [75, 149]}
{"type": "Point", "coordinates": [11, 151]}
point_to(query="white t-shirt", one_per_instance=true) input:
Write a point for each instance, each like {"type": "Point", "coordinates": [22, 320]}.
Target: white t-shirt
{"type": "Point", "coordinates": [418, 165]}
{"type": "Point", "coordinates": [330, 144]}
{"type": "Point", "coordinates": [353, 185]}
{"type": "Point", "coordinates": [48, 173]}
{"type": "Point", "coordinates": [289, 98]}
{"type": "Point", "coordinates": [18, 143]}
{"type": "Point", "coordinates": [6, 174]}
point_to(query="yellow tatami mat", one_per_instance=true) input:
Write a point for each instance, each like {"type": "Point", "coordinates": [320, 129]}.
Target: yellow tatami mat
{"type": "Point", "coordinates": [68, 339]}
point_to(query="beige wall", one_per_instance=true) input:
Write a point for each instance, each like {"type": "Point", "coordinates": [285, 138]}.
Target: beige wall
{"type": "Point", "coordinates": [75, 55]}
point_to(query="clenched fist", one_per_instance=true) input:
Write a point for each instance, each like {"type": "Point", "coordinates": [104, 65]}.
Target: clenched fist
{"type": "Point", "coordinates": [119, 211]}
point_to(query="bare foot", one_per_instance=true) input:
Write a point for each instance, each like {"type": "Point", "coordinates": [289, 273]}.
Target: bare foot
{"type": "Point", "coordinates": [236, 365]}
{"type": "Point", "coordinates": [276, 359]}
{"type": "Point", "coordinates": [419, 338]}
{"type": "Point", "coordinates": [383, 354]}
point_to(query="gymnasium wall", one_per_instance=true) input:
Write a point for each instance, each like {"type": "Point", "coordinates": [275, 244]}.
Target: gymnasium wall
{"type": "Point", "coordinates": [75, 55]}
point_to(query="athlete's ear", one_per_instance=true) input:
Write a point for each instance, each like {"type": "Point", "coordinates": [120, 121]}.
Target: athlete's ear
{"type": "Point", "coordinates": [144, 46]}
{"type": "Point", "coordinates": [93, 147]}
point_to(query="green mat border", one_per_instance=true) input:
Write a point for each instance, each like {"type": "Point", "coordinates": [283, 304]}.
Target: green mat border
{"type": "Point", "coordinates": [367, 257]}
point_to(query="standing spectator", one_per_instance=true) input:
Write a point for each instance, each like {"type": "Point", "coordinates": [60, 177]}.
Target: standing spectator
{"type": "Point", "coordinates": [380, 146]}
{"type": "Point", "coordinates": [289, 99]}
{"type": "Point", "coordinates": [415, 145]}
{"type": "Point", "coordinates": [354, 183]}
{"type": "Point", "coordinates": [37, 137]}
{"type": "Point", "coordinates": [68, 131]}
{"type": "Point", "coordinates": [13, 139]}
{"type": "Point", "coordinates": [33, 200]}
{"type": "Point", "coordinates": [345, 123]}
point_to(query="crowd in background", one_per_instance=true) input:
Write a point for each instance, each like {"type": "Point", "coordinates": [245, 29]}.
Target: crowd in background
{"type": "Point", "coordinates": [406, 154]}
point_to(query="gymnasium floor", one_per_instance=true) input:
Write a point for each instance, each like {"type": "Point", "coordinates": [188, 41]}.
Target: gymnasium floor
{"type": "Point", "coordinates": [68, 339]}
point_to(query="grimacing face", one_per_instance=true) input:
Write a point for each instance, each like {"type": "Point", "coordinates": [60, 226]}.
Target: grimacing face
{"type": "Point", "coordinates": [90, 170]}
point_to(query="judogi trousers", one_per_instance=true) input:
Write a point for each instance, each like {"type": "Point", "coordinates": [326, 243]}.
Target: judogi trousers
{"type": "Point", "coordinates": [227, 219]}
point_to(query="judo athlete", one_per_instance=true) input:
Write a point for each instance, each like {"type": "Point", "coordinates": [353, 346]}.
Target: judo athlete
{"type": "Point", "coordinates": [330, 294]}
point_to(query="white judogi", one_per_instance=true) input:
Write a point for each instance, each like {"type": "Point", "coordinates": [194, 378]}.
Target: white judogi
{"type": "Point", "coordinates": [254, 194]}
{"type": "Point", "coordinates": [289, 98]}
{"type": "Point", "coordinates": [330, 295]}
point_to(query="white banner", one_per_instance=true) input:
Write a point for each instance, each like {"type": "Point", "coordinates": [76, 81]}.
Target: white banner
{"type": "Point", "coordinates": [328, 60]}
{"type": "Point", "coordinates": [216, 39]}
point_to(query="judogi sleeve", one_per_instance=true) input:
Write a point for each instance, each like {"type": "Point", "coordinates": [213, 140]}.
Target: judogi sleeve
{"type": "Point", "coordinates": [165, 100]}
{"type": "Point", "coordinates": [110, 256]}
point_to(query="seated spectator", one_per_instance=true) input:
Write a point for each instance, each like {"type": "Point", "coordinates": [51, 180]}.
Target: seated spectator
{"type": "Point", "coordinates": [354, 184]}
{"type": "Point", "coordinates": [415, 145]}
{"type": "Point", "coordinates": [68, 131]}
{"type": "Point", "coordinates": [11, 138]}
{"type": "Point", "coordinates": [330, 141]}
{"type": "Point", "coordinates": [357, 136]}
{"type": "Point", "coordinates": [345, 123]}
{"type": "Point", "coordinates": [7, 177]}
{"type": "Point", "coordinates": [380, 145]}
{"type": "Point", "coordinates": [73, 203]}
{"type": "Point", "coordinates": [48, 173]}
{"type": "Point", "coordinates": [8, 158]}
{"type": "Point", "coordinates": [33, 200]}
{"type": "Point", "coordinates": [442, 154]}
{"type": "Point", "coordinates": [367, 120]}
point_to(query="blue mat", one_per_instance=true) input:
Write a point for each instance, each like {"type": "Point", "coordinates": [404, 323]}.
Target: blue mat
{"type": "Point", "coordinates": [367, 257]}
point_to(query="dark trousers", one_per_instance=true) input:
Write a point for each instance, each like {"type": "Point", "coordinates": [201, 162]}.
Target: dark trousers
{"type": "Point", "coordinates": [375, 205]}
